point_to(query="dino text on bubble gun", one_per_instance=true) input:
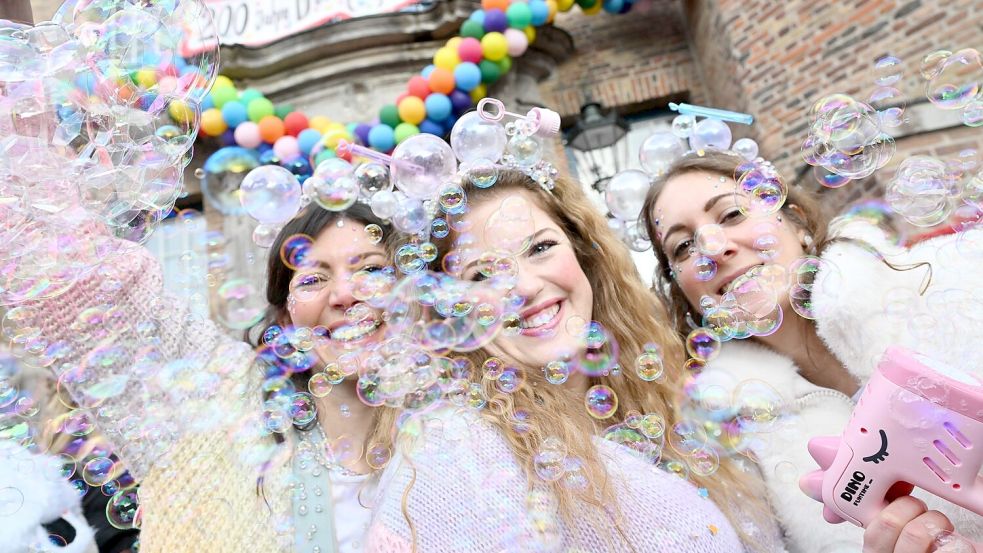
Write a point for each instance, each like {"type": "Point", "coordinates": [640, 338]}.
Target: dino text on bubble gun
{"type": "Point", "coordinates": [918, 423]}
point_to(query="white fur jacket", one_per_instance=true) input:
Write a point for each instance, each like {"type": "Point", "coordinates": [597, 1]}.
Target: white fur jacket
{"type": "Point", "coordinates": [863, 306]}
{"type": "Point", "coordinates": [32, 493]}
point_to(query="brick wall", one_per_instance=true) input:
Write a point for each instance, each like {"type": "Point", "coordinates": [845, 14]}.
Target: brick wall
{"type": "Point", "coordinates": [771, 59]}
{"type": "Point", "coordinates": [628, 61]}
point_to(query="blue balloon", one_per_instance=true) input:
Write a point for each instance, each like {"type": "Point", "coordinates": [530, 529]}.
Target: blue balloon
{"type": "Point", "coordinates": [382, 138]}
{"type": "Point", "coordinates": [467, 75]}
{"type": "Point", "coordinates": [479, 16]}
{"type": "Point", "coordinates": [438, 106]}
{"type": "Point", "coordinates": [540, 12]}
{"type": "Point", "coordinates": [234, 113]}
{"type": "Point", "coordinates": [427, 71]}
{"type": "Point", "coordinates": [432, 127]}
{"type": "Point", "coordinates": [307, 139]}
{"type": "Point", "coordinates": [207, 103]}
{"type": "Point", "coordinates": [613, 6]}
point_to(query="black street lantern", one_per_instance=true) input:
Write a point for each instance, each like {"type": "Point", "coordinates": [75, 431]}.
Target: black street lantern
{"type": "Point", "coordinates": [597, 140]}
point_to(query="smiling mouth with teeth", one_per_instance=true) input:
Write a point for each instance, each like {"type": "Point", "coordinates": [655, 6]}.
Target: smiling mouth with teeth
{"type": "Point", "coordinates": [730, 285]}
{"type": "Point", "coordinates": [355, 331]}
{"type": "Point", "coordinates": [541, 318]}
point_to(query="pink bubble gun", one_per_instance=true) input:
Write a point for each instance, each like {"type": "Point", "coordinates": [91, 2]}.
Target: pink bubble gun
{"type": "Point", "coordinates": [917, 423]}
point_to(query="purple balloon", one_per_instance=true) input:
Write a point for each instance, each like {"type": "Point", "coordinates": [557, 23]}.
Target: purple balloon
{"type": "Point", "coordinates": [496, 21]}
{"type": "Point", "coordinates": [461, 101]}
{"type": "Point", "coordinates": [362, 133]}
{"type": "Point", "coordinates": [227, 138]}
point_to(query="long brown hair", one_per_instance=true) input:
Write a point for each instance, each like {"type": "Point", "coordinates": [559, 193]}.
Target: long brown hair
{"type": "Point", "coordinates": [801, 207]}
{"type": "Point", "coordinates": [634, 318]}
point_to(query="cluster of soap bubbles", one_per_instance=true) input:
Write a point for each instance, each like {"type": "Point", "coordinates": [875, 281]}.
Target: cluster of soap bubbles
{"type": "Point", "coordinates": [80, 132]}
{"type": "Point", "coordinates": [846, 140]}
{"type": "Point", "coordinates": [954, 81]}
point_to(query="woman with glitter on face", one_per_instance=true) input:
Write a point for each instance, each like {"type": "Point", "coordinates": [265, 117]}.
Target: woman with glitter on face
{"type": "Point", "coordinates": [865, 295]}
{"type": "Point", "coordinates": [531, 471]}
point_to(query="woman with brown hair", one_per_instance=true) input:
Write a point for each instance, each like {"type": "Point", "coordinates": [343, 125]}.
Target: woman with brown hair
{"type": "Point", "coordinates": [531, 471]}
{"type": "Point", "coordinates": [851, 294]}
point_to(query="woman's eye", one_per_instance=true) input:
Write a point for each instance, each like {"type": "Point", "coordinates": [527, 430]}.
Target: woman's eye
{"type": "Point", "coordinates": [478, 276]}
{"type": "Point", "coordinates": [310, 280]}
{"type": "Point", "coordinates": [371, 269]}
{"type": "Point", "coordinates": [732, 216]}
{"type": "Point", "coordinates": [681, 249]}
{"type": "Point", "coordinates": [542, 246]}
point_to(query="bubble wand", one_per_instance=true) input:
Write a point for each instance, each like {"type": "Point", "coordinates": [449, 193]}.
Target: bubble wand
{"type": "Point", "coordinates": [712, 113]}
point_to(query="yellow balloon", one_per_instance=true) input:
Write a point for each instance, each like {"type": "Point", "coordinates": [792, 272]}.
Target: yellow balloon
{"type": "Point", "coordinates": [479, 92]}
{"type": "Point", "coordinates": [447, 58]}
{"type": "Point", "coordinates": [319, 123]}
{"type": "Point", "coordinates": [565, 5]}
{"type": "Point", "coordinates": [222, 80]}
{"type": "Point", "coordinates": [551, 4]}
{"type": "Point", "coordinates": [453, 43]}
{"type": "Point", "coordinates": [412, 110]}
{"type": "Point", "coordinates": [494, 46]}
{"type": "Point", "coordinates": [333, 136]}
{"type": "Point", "coordinates": [593, 10]}
{"type": "Point", "coordinates": [146, 78]}
{"type": "Point", "coordinates": [212, 122]}
{"type": "Point", "coordinates": [530, 33]}
{"type": "Point", "coordinates": [180, 112]}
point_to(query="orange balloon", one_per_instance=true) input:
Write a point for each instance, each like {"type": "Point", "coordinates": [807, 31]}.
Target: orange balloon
{"type": "Point", "coordinates": [493, 4]}
{"type": "Point", "coordinates": [271, 128]}
{"type": "Point", "coordinates": [441, 80]}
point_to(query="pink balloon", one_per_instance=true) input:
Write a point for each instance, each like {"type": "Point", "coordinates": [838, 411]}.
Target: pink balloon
{"type": "Point", "coordinates": [247, 135]}
{"type": "Point", "coordinates": [517, 42]}
{"type": "Point", "coordinates": [286, 147]}
{"type": "Point", "coordinates": [470, 50]}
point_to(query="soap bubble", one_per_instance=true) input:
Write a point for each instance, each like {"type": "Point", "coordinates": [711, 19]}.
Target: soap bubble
{"type": "Point", "coordinates": [956, 80]}
{"type": "Point", "coordinates": [626, 192]}
{"type": "Point", "coordinates": [888, 70]}
{"type": "Point", "coordinates": [846, 138]}
{"type": "Point", "coordinates": [333, 185]}
{"type": "Point", "coordinates": [601, 401]}
{"type": "Point", "coordinates": [919, 192]}
{"type": "Point", "coordinates": [421, 165]}
{"type": "Point", "coordinates": [710, 134]}
{"type": "Point", "coordinates": [746, 148]}
{"type": "Point", "coordinates": [270, 194]}
{"type": "Point", "coordinates": [703, 344]}
{"type": "Point", "coordinates": [682, 126]}
{"type": "Point", "coordinates": [371, 178]}
{"type": "Point", "coordinates": [659, 151]}
{"type": "Point", "coordinates": [473, 139]}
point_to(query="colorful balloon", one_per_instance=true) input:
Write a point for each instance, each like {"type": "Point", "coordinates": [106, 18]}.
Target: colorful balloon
{"type": "Point", "coordinates": [404, 131]}
{"type": "Point", "coordinates": [446, 58]}
{"type": "Point", "coordinates": [470, 50]}
{"type": "Point", "coordinates": [418, 86]}
{"type": "Point", "coordinates": [270, 128]}
{"type": "Point", "coordinates": [381, 138]}
{"type": "Point", "coordinates": [247, 135]}
{"type": "Point", "coordinates": [389, 115]}
{"type": "Point", "coordinates": [234, 113]}
{"type": "Point", "coordinates": [213, 123]}
{"type": "Point", "coordinates": [295, 122]}
{"type": "Point", "coordinates": [519, 15]}
{"type": "Point", "coordinates": [517, 42]}
{"type": "Point", "coordinates": [258, 109]}
{"type": "Point", "coordinates": [442, 80]}
{"type": "Point", "coordinates": [494, 46]}
{"type": "Point", "coordinates": [467, 76]}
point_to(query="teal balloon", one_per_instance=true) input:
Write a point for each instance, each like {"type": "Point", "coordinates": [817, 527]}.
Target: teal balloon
{"type": "Point", "coordinates": [283, 110]}
{"type": "Point", "coordinates": [249, 95]}
{"type": "Point", "coordinates": [323, 155]}
{"type": "Point", "coordinates": [519, 15]}
{"type": "Point", "coordinates": [389, 115]}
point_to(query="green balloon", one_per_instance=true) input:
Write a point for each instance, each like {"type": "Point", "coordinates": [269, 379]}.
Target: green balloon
{"type": "Point", "coordinates": [490, 72]}
{"type": "Point", "coordinates": [389, 115]}
{"type": "Point", "coordinates": [283, 110]}
{"type": "Point", "coordinates": [404, 131]}
{"type": "Point", "coordinates": [587, 4]}
{"type": "Point", "coordinates": [473, 29]}
{"type": "Point", "coordinates": [519, 15]}
{"type": "Point", "coordinates": [249, 95]}
{"type": "Point", "coordinates": [505, 64]}
{"type": "Point", "coordinates": [223, 94]}
{"type": "Point", "coordinates": [323, 155]}
{"type": "Point", "coordinates": [258, 109]}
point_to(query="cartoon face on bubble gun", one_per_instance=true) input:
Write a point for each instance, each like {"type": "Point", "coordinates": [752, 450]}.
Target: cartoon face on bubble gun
{"type": "Point", "coordinates": [918, 423]}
